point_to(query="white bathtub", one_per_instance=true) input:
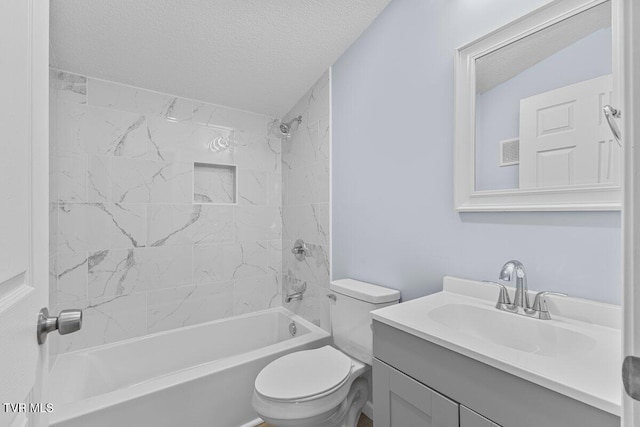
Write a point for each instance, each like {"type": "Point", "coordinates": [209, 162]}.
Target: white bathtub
{"type": "Point", "coordinates": [197, 376]}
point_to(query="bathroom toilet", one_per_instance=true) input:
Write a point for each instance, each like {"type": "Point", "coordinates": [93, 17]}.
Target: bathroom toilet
{"type": "Point", "coordinates": [326, 386]}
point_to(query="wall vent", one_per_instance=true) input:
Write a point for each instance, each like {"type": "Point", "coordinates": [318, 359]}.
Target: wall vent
{"type": "Point", "coordinates": [510, 152]}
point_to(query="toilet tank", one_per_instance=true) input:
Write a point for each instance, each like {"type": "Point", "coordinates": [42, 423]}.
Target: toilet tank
{"type": "Point", "coordinates": [351, 315]}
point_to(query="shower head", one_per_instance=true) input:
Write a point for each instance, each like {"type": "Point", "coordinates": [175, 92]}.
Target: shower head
{"type": "Point", "coordinates": [285, 128]}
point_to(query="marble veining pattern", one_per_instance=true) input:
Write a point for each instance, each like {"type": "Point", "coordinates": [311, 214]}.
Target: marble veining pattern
{"type": "Point", "coordinates": [216, 263]}
{"type": "Point", "coordinates": [125, 271]}
{"type": "Point", "coordinates": [136, 181]}
{"type": "Point", "coordinates": [189, 305]}
{"type": "Point", "coordinates": [190, 224]}
{"type": "Point", "coordinates": [129, 245]}
{"type": "Point", "coordinates": [68, 86]}
{"type": "Point", "coordinates": [305, 203]}
{"type": "Point", "coordinates": [86, 129]}
{"type": "Point", "coordinates": [309, 222]}
{"type": "Point", "coordinates": [254, 187]}
{"type": "Point", "coordinates": [92, 226]}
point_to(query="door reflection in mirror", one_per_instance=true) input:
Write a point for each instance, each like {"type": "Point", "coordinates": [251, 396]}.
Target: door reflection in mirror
{"type": "Point", "coordinates": [546, 92]}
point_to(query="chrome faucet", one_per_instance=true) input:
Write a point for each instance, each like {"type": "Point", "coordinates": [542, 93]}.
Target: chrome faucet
{"type": "Point", "coordinates": [540, 310]}
{"type": "Point", "coordinates": [514, 271]}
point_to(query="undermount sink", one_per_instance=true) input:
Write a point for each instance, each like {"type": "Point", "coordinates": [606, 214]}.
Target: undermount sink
{"type": "Point", "coordinates": [544, 338]}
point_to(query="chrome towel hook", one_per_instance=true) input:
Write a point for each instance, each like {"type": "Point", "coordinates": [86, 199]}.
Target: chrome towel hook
{"type": "Point", "coordinates": [611, 114]}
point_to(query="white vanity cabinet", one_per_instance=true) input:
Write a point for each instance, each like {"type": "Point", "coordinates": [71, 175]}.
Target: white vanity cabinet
{"type": "Point", "coordinates": [401, 401]}
{"type": "Point", "coordinates": [468, 418]}
{"type": "Point", "coordinates": [419, 383]}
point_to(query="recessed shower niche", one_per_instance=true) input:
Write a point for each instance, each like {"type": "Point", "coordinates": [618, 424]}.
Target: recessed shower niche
{"type": "Point", "coordinates": [215, 183]}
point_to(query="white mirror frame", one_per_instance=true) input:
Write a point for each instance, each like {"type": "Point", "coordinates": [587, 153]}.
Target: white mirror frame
{"type": "Point", "coordinates": [578, 198]}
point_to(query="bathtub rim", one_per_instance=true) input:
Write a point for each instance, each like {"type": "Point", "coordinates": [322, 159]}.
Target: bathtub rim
{"type": "Point", "coordinates": [70, 410]}
{"type": "Point", "coordinates": [282, 310]}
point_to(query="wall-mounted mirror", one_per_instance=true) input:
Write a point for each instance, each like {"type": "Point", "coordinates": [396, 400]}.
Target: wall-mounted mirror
{"type": "Point", "coordinates": [531, 133]}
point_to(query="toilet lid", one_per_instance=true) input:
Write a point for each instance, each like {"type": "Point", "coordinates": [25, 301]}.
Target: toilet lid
{"type": "Point", "coordinates": [303, 374]}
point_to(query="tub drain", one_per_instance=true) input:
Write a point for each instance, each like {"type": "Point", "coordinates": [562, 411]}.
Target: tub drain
{"type": "Point", "coordinates": [293, 329]}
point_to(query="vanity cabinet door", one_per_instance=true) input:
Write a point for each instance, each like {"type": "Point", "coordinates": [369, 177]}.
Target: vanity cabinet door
{"type": "Point", "coordinates": [401, 401]}
{"type": "Point", "coordinates": [468, 418]}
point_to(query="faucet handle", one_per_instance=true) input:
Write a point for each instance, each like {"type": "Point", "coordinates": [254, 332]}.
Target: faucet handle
{"type": "Point", "coordinates": [503, 296]}
{"type": "Point", "coordinates": [540, 303]}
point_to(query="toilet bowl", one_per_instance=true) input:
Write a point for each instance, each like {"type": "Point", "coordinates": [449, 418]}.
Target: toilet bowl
{"type": "Point", "coordinates": [326, 386]}
{"type": "Point", "coordinates": [317, 389]}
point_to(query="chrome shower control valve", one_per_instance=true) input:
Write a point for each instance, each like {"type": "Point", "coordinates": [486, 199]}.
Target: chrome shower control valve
{"type": "Point", "coordinates": [300, 250]}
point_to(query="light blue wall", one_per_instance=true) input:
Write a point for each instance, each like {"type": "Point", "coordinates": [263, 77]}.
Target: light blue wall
{"type": "Point", "coordinates": [393, 217]}
{"type": "Point", "coordinates": [498, 110]}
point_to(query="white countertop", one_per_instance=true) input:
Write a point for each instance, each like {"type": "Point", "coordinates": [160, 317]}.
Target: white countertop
{"type": "Point", "coordinates": [590, 374]}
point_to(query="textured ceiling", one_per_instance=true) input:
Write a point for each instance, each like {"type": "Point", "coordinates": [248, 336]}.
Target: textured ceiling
{"type": "Point", "coordinates": [256, 55]}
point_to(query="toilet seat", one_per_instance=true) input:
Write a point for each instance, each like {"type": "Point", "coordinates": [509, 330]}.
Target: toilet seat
{"type": "Point", "coordinates": [304, 375]}
{"type": "Point", "coordinates": [319, 406]}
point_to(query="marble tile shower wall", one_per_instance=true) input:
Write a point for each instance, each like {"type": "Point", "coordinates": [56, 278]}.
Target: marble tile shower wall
{"type": "Point", "coordinates": [305, 208]}
{"type": "Point", "coordinates": [130, 245]}
{"type": "Point", "coordinates": [53, 214]}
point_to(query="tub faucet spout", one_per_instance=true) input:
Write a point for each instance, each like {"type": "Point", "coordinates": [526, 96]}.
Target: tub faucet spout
{"type": "Point", "coordinates": [293, 297]}
{"type": "Point", "coordinates": [296, 296]}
